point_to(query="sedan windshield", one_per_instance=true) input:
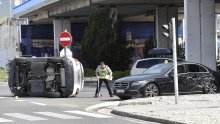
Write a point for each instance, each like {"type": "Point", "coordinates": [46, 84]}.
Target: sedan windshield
{"type": "Point", "coordinates": [159, 69]}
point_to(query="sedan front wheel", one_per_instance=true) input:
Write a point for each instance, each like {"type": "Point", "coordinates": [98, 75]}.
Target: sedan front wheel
{"type": "Point", "coordinates": [151, 90]}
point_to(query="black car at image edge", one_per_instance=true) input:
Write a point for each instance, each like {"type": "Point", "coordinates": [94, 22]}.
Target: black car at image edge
{"type": "Point", "coordinates": [158, 80]}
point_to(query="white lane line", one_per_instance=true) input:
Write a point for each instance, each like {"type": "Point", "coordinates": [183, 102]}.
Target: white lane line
{"type": "Point", "coordinates": [89, 114]}
{"type": "Point", "coordinates": [37, 103]}
{"type": "Point", "coordinates": [56, 115]}
{"type": "Point", "coordinates": [2, 97]}
{"type": "Point", "coordinates": [25, 117]}
{"type": "Point", "coordinates": [3, 84]}
{"type": "Point", "coordinates": [5, 120]}
{"type": "Point", "coordinates": [20, 100]}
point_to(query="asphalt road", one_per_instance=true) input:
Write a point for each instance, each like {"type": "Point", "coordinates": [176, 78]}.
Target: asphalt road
{"type": "Point", "coordinates": [35, 110]}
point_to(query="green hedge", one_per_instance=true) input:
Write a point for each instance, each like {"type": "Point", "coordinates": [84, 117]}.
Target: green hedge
{"type": "Point", "coordinates": [89, 72]}
{"type": "Point", "coordinates": [3, 75]}
{"type": "Point", "coordinates": [120, 74]}
{"type": "Point", "coordinates": [116, 74]}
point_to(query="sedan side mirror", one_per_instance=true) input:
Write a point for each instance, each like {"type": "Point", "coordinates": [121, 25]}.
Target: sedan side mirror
{"type": "Point", "coordinates": [171, 74]}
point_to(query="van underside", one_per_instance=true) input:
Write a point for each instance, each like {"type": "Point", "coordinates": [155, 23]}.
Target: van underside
{"type": "Point", "coordinates": [50, 77]}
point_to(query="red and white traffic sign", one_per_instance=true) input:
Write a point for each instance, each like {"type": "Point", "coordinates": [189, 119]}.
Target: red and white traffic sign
{"type": "Point", "coordinates": [65, 39]}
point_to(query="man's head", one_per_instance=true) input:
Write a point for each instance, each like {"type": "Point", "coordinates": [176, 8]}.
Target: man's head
{"type": "Point", "coordinates": [102, 64]}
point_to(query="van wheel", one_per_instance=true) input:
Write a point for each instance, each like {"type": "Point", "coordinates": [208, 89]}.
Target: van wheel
{"type": "Point", "coordinates": [151, 90]}
{"type": "Point", "coordinates": [125, 97]}
{"type": "Point", "coordinates": [210, 88]}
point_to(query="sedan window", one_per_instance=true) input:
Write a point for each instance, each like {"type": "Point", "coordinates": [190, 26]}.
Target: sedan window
{"type": "Point", "coordinates": [202, 69]}
{"type": "Point", "coordinates": [181, 69]}
{"type": "Point", "coordinates": [193, 68]}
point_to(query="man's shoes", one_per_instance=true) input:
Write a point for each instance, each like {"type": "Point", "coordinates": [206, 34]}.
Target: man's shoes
{"type": "Point", "coordinates": [98, 95]}
{"type": "Point", "coordinates": [111, 96]}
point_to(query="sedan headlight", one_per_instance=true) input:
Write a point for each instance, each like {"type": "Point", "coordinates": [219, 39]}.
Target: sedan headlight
{"type": "Point", "coordinates": [137, 83]}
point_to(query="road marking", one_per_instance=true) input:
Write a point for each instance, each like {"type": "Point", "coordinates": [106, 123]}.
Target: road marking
{"type": "Point", "coordinates": [56, 115]}
{"type": "Point", "coordinates": [89, 114]}
{"type": "Point", "coordinates": [25, 117]}
{"type": "Point", "coordinates": [20, 100]}
{"type": "Point", "coordinates": [2, 97]}
{"type": "Point", "coordinates": [37, 103]}
{"type": "Point", "coordinates": [3, 84]}
{"type": "Point", "coordinates": [5, 120]}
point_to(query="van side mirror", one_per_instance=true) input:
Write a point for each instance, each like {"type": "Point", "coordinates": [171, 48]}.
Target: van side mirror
{"type": "Point", "coordinates": [171, 74]}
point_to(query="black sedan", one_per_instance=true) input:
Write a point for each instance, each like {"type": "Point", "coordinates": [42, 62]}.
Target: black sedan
{"type": "Point", "coordinates": [158, 80]}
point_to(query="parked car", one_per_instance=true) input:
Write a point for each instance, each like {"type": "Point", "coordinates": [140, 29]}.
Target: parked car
{"type": "Point", "coordinates": [158, 80]}
{"type": "Point", "coordinates": [143, 64]}
{"type": "Point", "coordinates": [51, 77]}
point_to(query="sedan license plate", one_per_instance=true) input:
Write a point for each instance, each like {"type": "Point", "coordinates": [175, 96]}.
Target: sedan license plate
{"type": "Point", "coordinates": [120, 91]}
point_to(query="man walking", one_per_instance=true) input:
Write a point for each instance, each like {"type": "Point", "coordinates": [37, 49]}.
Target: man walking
{"type": "Point", "coordinates": [103, 73]}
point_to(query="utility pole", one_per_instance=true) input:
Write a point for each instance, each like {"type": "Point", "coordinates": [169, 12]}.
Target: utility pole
{"type": "Point", "coordinates": [171, 34]}
{"type": "Point", "coordinates": [175, 61]}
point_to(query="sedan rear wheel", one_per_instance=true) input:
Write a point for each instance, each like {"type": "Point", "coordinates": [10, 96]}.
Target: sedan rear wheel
{"type": "Point", "coordinates": [151, 90]}
{"type": "Point", "coordinates": [211, 88]}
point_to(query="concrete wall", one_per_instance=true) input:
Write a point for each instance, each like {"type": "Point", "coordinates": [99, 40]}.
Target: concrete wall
{"type": "Point", "coordinates": [8, 42]}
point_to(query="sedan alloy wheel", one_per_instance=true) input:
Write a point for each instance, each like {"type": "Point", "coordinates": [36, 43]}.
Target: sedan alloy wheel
{"type": "Point", "coordinates": [211, 88]}
{"type": "Point", "coordinates": [151, 90]}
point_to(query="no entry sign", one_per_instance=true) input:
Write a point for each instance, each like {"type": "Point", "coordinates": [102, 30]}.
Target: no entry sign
{"type": "Point", "coordinates": [65, 39]}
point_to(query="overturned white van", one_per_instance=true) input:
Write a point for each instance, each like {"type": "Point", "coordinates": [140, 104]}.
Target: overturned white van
{"type": "Point", "coordinates": [50, 77]}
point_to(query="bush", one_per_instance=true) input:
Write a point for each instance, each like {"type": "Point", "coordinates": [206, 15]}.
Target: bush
{"type": "Point", "coordinates": [89, 72]}
{"type": "Point", "coordinates": [3, 75]}
{"type": "Point", "coordinates": [120, 74]}
{"type": "Point", "coordinates": [116, 74]}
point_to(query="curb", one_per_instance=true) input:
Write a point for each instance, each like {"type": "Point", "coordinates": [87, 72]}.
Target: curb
{"type": "Point", "coordinates": [95, 108]}
{"type": "Point", "coordinates": [145, 118]}
{"type": "Point", "coordinates": [134, 103]}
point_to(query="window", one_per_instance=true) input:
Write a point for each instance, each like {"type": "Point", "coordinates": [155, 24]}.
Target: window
{"type": "Point", "coordinates": [202, 69]}
{"type": "Point", "coordinates": [147, 63]}
{"type": "Point", "coordinates": [193, 68]}
{"type": "Point", "coordinates": [151, 62]}
{"type": "Point", "coordinates": [164, 61]}
{"type": "Point", "coordinates": [181, 69]}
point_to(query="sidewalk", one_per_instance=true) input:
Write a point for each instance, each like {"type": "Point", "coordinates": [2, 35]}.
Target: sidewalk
{"type": "Point", "coordinates": [90, 81]}
{"type": "Point", "coordinates": [192, 109]}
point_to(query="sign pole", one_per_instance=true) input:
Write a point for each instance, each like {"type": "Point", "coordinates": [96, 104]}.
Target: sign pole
{"type": "Point", "coordinates": [65, 51]}
{"type": "Point", "coordinates": [175, 61]}
{"type": "Point", "coordinates": [65, 47]}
